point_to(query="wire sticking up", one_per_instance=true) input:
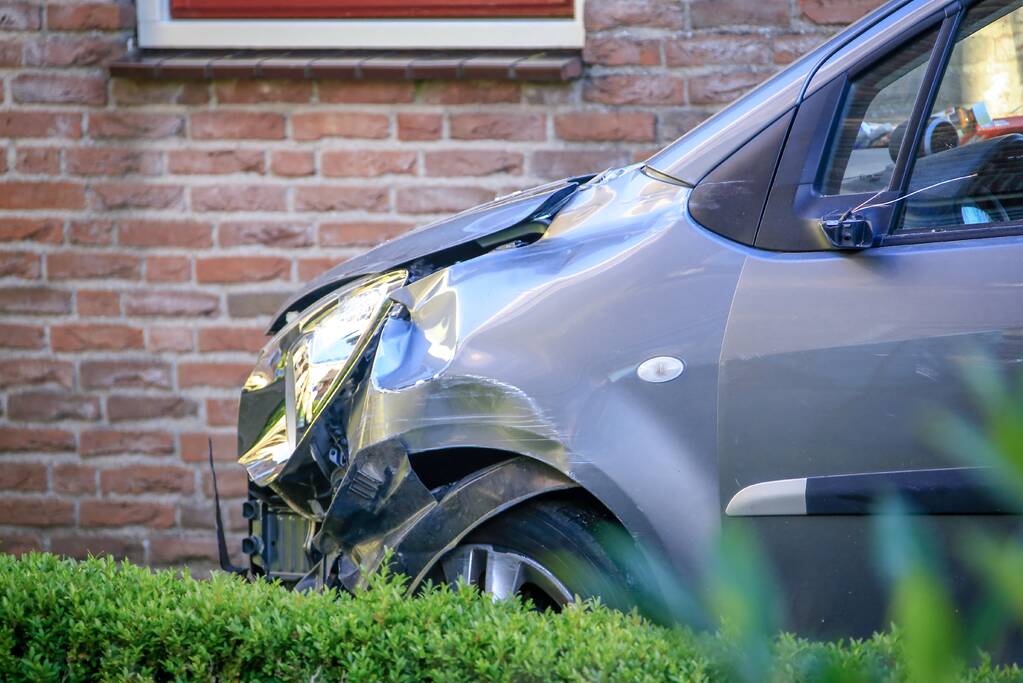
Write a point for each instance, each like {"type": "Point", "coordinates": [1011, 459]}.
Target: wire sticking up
{"type": "Point", "coordinates": [867, 205]}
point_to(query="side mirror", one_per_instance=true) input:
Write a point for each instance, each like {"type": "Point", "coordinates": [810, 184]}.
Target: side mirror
{"type": "Point", "coordinates": [848, 232]}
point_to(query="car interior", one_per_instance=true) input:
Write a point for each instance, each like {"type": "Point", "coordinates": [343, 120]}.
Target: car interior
{"type": "Point", "coordinates": [968, 166]}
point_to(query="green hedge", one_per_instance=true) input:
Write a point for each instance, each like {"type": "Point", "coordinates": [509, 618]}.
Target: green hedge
{"type": "Point", "coordinates": [62, 620]}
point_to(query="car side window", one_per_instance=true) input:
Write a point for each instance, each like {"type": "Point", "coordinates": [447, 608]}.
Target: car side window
{"type": "Point", "coordinates": [968, 169]}
{"type": "Point", "coordinates": [878, 105]}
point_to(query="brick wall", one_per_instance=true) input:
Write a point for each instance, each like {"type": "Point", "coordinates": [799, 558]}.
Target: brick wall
{"type": "Point", "coordinates": [149, 228]}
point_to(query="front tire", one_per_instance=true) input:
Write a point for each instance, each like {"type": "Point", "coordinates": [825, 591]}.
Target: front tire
{"type": "Point", "coordinates": [548, 550]}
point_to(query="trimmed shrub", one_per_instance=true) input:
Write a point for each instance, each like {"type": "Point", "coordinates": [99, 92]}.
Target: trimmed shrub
{"type": "Point", "coordinates": [62, 620]}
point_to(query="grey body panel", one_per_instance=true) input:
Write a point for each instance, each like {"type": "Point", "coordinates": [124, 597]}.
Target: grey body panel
{"type": "Point", "coordinates": [838, 363]}
{"type": "Point", "coordinates": [451, 232]}
{"type": "Point", "coordinates": [488, 358]}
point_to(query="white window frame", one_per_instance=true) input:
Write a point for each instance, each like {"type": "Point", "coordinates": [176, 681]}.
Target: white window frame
{"type": "Point", "coordinates": [157, 29]}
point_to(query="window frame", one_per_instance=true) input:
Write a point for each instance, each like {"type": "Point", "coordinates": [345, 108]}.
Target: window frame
{"type": "Point", "coordinates": [158, 29]}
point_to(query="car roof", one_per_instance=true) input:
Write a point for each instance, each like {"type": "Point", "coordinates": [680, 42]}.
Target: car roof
{"type": "Point", "coordinates": [699, 151]}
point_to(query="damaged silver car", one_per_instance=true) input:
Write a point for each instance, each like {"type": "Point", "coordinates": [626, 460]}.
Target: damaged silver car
{"type": "Point", "coordinates": [751, 324]}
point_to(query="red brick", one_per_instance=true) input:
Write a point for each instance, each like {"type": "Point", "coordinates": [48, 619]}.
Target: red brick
{"type": "Point", "coordinates": [183, 234]}
{"type": "Point", "coordinates": [237, 125]}
{"type": "Point", "coordinates": [20, 16]}
{"type": "Point", "coordinates": [441, 199]}
{"type": "Point", "coordinates": [292, 164]}
{"type": "Point", "coordinates": [622, 51]}
{"type": "Point", "coordinates": [195, 447]}
{"type": "Point", "coordinates": [259, 91]}
{"type": "Point", "coordinates": [635, 89]}
{"type": "Point", "coordinates": [34, 301]}
{"type": "Point", "coordinates": [222, 412]}
{"type": "Point", "coordinates": [146, 93]}
{"type": "Point", "coordinates": [722, 88]}
{"type": "Point", "coordinates": [131, 408]}
{"type": "Point", "coordinates": [38, 160]}
{"type": "Point", "coordinates": [360, 233]}
{"type": "Point", "coordinates": [19, 264]}
{"type": "Point", "coordinates": [511, 126]}
{"type": "Point", "coordinates": [121, 374]}
{"type": "Point", "coordinates": [142, 479]}
{"type": "Point", "coordinates": [601, 126]}
{"type": "Point", "coordinates": [98, 304]}
{"type": "Point", "coordinates": [21, 336]}
{"type": "Point", "coordinates": [92, 233]}
{"type": "Point", "coordinates": [35, 371]}
{"type": "Point", "coordinates": [563, 163]}
{"type": "Point", "coordinates": [239, 198]}
{"type": "Point", "coordinates": [177, 550]}
{"type": "Point", "coordinates": [412, 126]}
{"type": "Point", "coordinates": [215, 162]}
{"type": "Point", "coordinates": [90, 16]}
{"type": "Point", "coordinates": [110, 513]}
{"type": "Point", "coordinates": [10, 53]}
{"type": "Point", "coordinates": [471, 92]}
{"type": "Point", "coordinates": [49, 406]}
{"type": "Point", "coordinates": [126, 195]}
{"type": "Point", "coordinates": [266, 233]}
{"type": "Point", "coordinates": [712, 13]}
{"type": "Point", "coordinates": [791, 47]}
{"type": "Point", "coordinates": [38, 88]}
{"type": "Point", "coordinates": [94, 337]}
{"type": "Point", "coordinates": [834, 12]}
{"type": "Point", "coordinates": [23, 476]}
{"type": "Point", "coordinates": [326, 198]}
{"type": "Point", "coordinates": [18, 544]}
{"type": "Point", "coordinates": [27, 195]}
{"type": "Point", "coordinates": [40, 124]}
{"type": "Point", "coordinates": [704, 50]}
{"type": "Point", "coordinates": [36, 512]}
{"type": "Point", "coordinates": [81, 546]}
{"type": "Point", "coordinates": [85, 265]}
{"type": "Point", "coordinates": [74, 479]}
{"type": "Point", "coordinates": [256, 304]}
{"type": "Point", "coordinates": [112, 442]}
{"type": "Point", "coordinates": [366, 92]}
{"type": "Point", "coordinates": [74, 51]}
{"type": "Point", "coordinates": [318, 125]}
{"type": "Point", "coordinates": [46, 230]}
{"type": "Point", "coordinates": [36, 440]}
{"type": "Point", "coordinates": [171, 303]}
{"type": "Point", "coordinates": [203, 374]}
{"type": "Point", "coordinates": [309, 268]}
{"type": "Point", "coordinates": [231, 269]}
{"type": "Point", "coordinates": [168, 268]}
{"type": "Point", "coordinates": [472, 162]}
{"type": "Point", "coordinates": [232, 481]}
{"type": "Point", "coordinates": [249, 339]}
{"type": "Point", "coordinates": [134, 125]}
{"type": "Point", "coordinates": [611, 14]}
{"type": "Point", "coordinates": [368, 163]}
{"type": "Point", "coordinates": [170, 339]}
{"type": "Point", "coordinates": [112, 161]}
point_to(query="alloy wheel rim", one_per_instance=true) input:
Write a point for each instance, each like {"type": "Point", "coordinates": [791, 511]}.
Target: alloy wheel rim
{"type": "Point", "coordinates": [503, 574]}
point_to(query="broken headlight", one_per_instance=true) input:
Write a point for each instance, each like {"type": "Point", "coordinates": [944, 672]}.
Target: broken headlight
{"type": "Point", "coordinates": [300, 371]}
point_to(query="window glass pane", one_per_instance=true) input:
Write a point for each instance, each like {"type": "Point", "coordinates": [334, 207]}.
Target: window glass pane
{"type": "Point", "coordinates": [878, 106]}
{"type": "Point", "coordinates": [969, 167]}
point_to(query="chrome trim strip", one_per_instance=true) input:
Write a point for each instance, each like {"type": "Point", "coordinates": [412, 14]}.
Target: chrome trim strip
{"type": "Point", "coordinates": [769, 498]}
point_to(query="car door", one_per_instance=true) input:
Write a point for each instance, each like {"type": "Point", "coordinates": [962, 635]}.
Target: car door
{"type": "Point", "coordinates": [837, 364]}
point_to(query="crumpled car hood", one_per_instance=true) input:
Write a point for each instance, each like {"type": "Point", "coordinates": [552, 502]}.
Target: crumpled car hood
{"type": "Point", "coordinates": [447, 233]}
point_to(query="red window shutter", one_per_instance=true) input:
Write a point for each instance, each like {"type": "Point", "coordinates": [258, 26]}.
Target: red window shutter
{"type": "Point", "coordinates": [367, 9]}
